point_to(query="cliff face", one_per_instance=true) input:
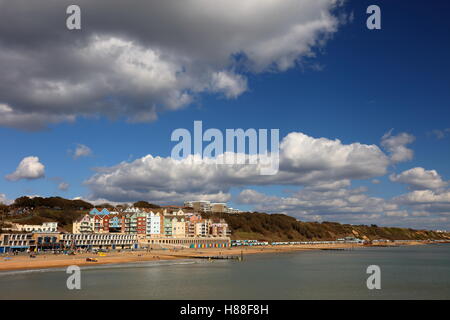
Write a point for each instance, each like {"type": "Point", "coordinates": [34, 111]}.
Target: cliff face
{"type": "Point", "coordinates": [280, 227]}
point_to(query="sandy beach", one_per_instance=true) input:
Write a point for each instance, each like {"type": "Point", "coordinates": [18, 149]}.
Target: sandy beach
{"type": "Point", "coordinates": [42, 261]}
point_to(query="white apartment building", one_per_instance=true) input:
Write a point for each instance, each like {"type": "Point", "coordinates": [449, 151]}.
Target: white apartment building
{"type": "Point", "coordinates": [199, 206]}
{"type": "Point", "coordinates": [132, 210]}
{"type": "Point", "coordinates": [202, 228]}
{"type": "Point", "coordinates": [153, 223]}
{"type": "Point", "coordinates": [45, 227]}
{"type": "Point", "coordinates": [207, 206]}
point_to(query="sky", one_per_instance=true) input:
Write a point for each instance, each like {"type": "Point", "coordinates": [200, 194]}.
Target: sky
{"type": "Point", "coordinates": [363, 114]}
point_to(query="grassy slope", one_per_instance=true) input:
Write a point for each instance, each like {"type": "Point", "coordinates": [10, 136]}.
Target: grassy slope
{"type": "Point", "coordinates": [63, 217]}
{"type": "Point", "coordinates": [279, 227]}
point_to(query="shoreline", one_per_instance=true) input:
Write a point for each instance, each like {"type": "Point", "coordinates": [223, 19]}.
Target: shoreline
{"type": "Point", "coordinates": [48, 261]}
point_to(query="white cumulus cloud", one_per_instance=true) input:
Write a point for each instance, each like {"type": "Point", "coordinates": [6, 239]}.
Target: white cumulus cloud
{"type": "Point", "coordinates": [29, 168]}
{"type": "Point", "coordinates": [82, 151]}
{"type": "Point", "coordinates": [352, 204]}
{"type": "Point", "coordinates": [425, 197]}
{"type": "Point", "coordinates": [136, 60]}
{"type": "Point", "coordinates": [63, 186]}
{"type": "Point", "coordinates": [419, 179]}
{"type": "Point", "coordinates": [397, 146]}
{"type": "Point", "coordinates": [4, 199]}
{"type": "Point", "coordinates": [320, 163]}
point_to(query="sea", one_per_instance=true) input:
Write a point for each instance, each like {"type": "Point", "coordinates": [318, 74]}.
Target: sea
{"type": "Point", "coordinates": [405, 272]}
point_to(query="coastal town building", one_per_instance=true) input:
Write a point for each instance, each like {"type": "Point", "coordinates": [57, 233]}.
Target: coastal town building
{"type": "Point", "coordinates": [29, 241]}
{"type": "Point", "coordinates": [178, 227]}
{"type": "Point", "coordinates": [96, 212]}
{"type": "Point", "coordinates": [172, 222]}
{"type": "Point", "coordinates": [65, 241]}
{"type": "Point", "coordinates": [191, 223]}
{"type": "Point", "coordinates": [234, 211]}
{"type": "Point", "coordinates": [115, 224]}
{"type": "Point", "coordinates": [16, 241]}
{"type": "Point", "coordinates": [202, 206]}
{"type": "Point", "coordinates": [199, 206]}
{"type": "Point", "coordinates": [141, 223]}
{"type": "Point", "coordinates": [219, 207]}
{"type": "Point", "coordinates": [83, 225]}
{"type": "Point", "coordinates": [99, 241]}
{"type": "Point", "coordinates": [220, 229]}
{"type": "Point", "coordinates": [128, 229]}
{"type": "Point", "coordinates": [186, 242]}
{"type": "Point", "coordinates": [44, 227]}
{"type": "Point", "coordinates": [153, 223]}
{"type": "Point", "coordinates": [202, 228]}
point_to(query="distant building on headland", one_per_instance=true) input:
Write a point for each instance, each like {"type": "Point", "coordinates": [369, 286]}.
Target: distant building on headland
{"type": "Point", "coordinates": [204, 206]}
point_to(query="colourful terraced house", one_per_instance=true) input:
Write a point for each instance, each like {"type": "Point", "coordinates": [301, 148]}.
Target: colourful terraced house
{"type": "Point", "coordinates": [96, 212]}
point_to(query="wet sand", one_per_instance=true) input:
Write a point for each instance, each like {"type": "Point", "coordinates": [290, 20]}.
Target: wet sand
{"type": "Point", "coordinates": [43, 261]}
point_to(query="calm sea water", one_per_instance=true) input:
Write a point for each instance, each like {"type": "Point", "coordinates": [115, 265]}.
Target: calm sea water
{"type": "Point", "coordinates": [419, 272]}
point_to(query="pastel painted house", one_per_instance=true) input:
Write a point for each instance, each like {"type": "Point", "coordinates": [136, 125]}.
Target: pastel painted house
{"type": "Point", "coordinates": [115, 224]}
{"type": "Point", "coordinates": [96, 212]}
{"type": "Point", "coordinates": [141, 223]}
{"type": "Point", "coordinates": [167, 226]}
{"type": "Point", "coordinates": [83, 225]}
{"type": "Point", "coordinates": [178, 227]}
{"type": "Point", "coordinates": [129, 223]}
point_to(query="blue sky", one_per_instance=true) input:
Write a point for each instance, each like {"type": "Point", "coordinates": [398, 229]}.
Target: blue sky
{"type": "Point", "coordinates": [359, 85]}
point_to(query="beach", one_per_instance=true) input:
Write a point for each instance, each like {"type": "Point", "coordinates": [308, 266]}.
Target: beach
{"type": "Point", "coordinates": [49, 260]}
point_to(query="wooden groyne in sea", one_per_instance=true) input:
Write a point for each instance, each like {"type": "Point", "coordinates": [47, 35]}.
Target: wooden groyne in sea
{"type": "Point", "coordinates": [218, 257]}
